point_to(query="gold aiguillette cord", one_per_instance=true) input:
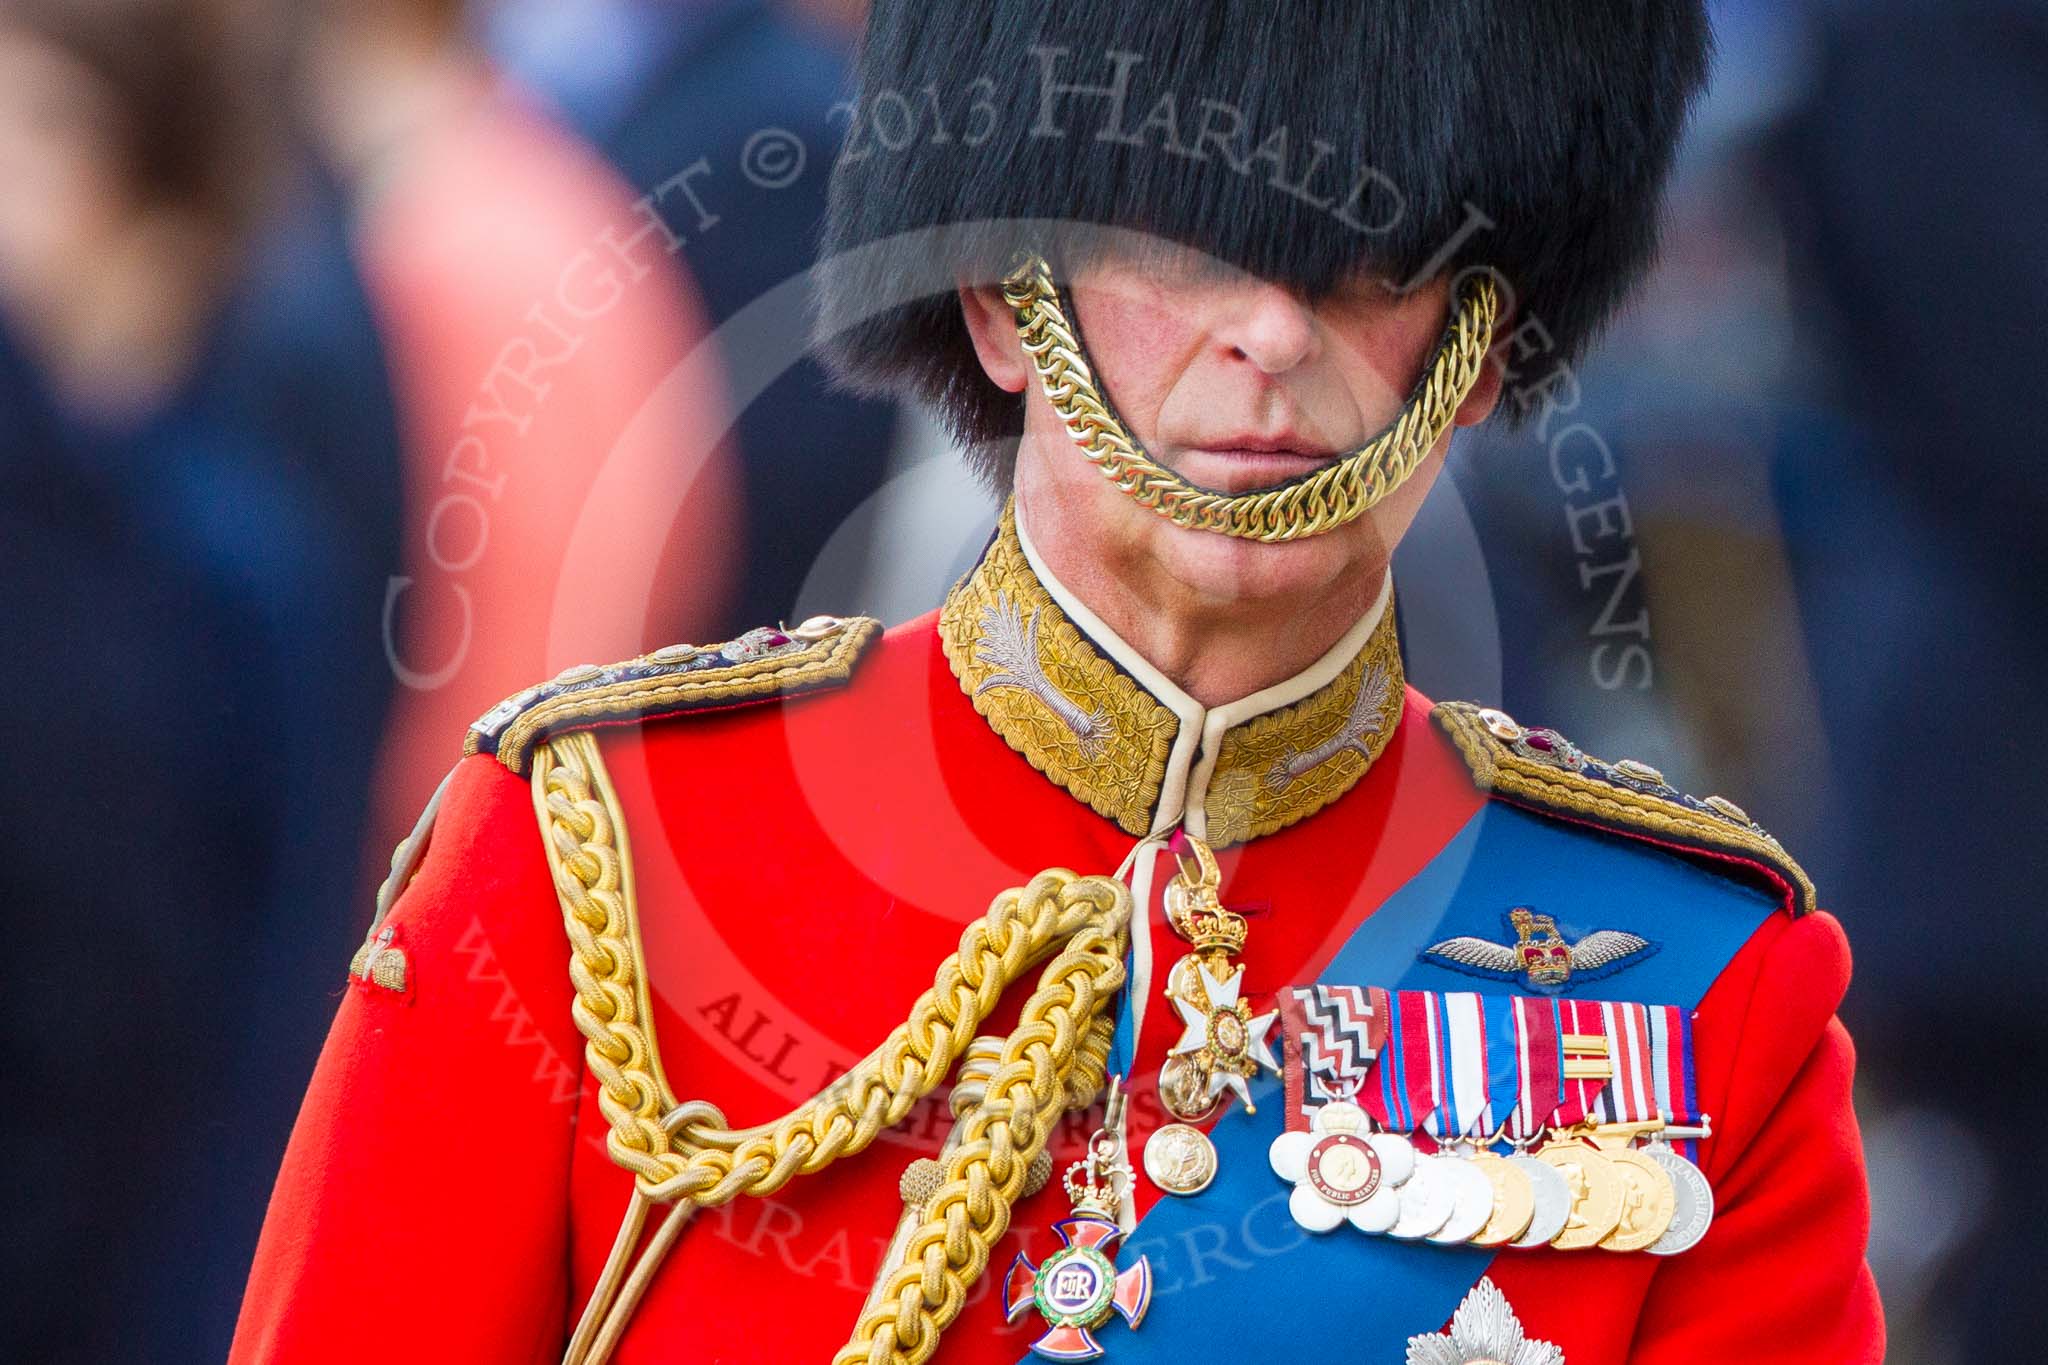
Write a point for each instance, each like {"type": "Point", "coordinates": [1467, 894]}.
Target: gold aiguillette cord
{"type": "Point", "coordinates": [686, 1157]}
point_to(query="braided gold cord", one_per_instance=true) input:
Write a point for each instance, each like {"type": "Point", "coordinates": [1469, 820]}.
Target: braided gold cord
{"type": "Point", "coordinates": [1054, 1059]}
{"type": "Point", "coordinates": [1336, 494]}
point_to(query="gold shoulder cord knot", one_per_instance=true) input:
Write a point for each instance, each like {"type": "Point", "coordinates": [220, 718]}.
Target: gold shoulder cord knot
{"type": "Point", "coordinates": [1339, 492]}
{"type": "Point", "coordinates": [684, 1155]}
{"type": "Point", "coordinates": [379, 962]}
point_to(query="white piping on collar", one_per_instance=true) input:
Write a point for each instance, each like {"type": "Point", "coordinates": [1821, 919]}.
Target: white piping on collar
{"type": "Point", "coordinates": [1183, 792]}
{"type": "Point", "coordinates": [1187, 737]}
{"type": "Point", "coordinates": [1221, 720]}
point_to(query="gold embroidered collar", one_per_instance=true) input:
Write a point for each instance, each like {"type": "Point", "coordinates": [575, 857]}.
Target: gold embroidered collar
{"type": "Point", "coordinates": [1089, 713]}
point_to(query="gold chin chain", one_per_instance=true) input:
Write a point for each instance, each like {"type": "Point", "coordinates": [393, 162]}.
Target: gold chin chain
{"type": "Point", "coordinates": [687, 1157]}
{"type": "Point", "coordinates": [1330, 497]}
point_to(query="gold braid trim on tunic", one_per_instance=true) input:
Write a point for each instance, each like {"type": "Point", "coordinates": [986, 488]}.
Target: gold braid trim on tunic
{"type": "Point", "coordinates": [1073, 714]}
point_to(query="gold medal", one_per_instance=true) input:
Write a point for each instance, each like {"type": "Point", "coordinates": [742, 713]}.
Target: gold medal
{"type": "Point", "coordinates": [1184, 1090]}
{"type": "Point", "coordinates": [1184, 982]}
{"type": "Point", "coordinates": [1180, 1159]}
{"type": "Point", "coordinates": [1596, 1192]}
{"type": "Point", "coordinates": [1514, 1200]}
{"type": "Point", "coordinates": [1648, 1200]}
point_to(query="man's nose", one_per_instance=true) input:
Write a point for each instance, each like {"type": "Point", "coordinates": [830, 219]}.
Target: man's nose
{"type": "Point", "coordinates": [1272, 328]}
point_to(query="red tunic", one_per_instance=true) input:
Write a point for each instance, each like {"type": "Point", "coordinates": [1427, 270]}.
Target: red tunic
{"type": "Point", "coordinates": [803, 867]}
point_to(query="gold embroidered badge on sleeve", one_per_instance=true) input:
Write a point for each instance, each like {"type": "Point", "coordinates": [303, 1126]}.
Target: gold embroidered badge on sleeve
{"type": "Point", "coordinates": [379, 963]}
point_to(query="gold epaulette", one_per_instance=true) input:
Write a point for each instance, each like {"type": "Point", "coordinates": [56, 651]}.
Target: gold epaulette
{"type": "Point", "coordinates": [758, 666]}
{"type": "Point", "coordinates": [1541, 769]}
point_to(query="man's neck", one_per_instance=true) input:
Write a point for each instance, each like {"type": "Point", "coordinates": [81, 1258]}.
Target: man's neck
{"type": "Point", "coordinates": [1215, 651]}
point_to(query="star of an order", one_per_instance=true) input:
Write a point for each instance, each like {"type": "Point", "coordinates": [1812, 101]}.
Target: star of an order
{"type": "Point", "coordinates": [1232, 1071]}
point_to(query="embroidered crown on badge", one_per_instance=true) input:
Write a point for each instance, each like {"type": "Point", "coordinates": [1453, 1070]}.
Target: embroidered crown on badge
{"type": "Point", "coordinates": [1541, 957]}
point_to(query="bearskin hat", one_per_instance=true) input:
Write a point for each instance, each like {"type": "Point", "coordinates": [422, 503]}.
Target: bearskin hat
{"type": "Point", "coordinates": [1300, 141]}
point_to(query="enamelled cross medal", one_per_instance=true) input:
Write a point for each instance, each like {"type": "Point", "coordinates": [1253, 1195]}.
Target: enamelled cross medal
{"type": "Point", "coordinates": [1079, 1286]}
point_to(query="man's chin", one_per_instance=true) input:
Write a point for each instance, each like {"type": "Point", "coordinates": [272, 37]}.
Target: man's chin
{"type": "Point", "coordinates": [1226, 569]}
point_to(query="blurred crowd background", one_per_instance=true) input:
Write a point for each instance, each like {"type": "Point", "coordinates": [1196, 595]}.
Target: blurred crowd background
{"type": "Point", "coordinates": [350, 380]}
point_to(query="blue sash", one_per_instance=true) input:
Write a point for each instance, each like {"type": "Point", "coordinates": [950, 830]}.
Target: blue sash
{"type": "Point", "coordinates": [1346, 1296]}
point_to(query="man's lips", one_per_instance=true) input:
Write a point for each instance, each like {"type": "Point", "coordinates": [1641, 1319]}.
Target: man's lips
{"type": "Point", "coordinates": [1247, 468]}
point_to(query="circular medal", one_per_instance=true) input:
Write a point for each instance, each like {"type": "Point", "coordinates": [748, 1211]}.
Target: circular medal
{"type": "Point", "coordinates": [1647, 1200]}
{"type": "Point", "coordinates": [1596, 1193]}
{"type": "Point", "coordinates": [1552, 1197]}
{"type": "Point", "coordinates": [1694, 1204]}
{"type": "Point", "coordinates": [1184, 1090]}
{"type": "Point", "coordinates": [1426, 1200]}
{"type": "Point", "coordinates": [1514, 1201]}
{"type": "Point", "coordinates": [1397, 1157]}
{"type": "Point", "coordinates": [1471, 1207]}
{"type": "Point", "coordinates": [1179, 1159]}
{"type": "Point", "coordinates": [1344, 1169]}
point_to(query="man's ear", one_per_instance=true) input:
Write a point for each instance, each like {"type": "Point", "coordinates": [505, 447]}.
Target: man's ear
{"type": "Point", "coordinates": [994, 331]}
{"type": "Point", "coordinates": [1493, 372]}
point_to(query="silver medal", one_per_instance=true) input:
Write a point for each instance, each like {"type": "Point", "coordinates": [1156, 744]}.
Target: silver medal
{"type": "Point", "coordinates": [1695, 1203]}
{"type": "Point", "coordinates": [1471, 1206]}
{"type": "Point", "coordinates": [1427, 1198]}
{"type": "Point", "coordinates": [1553, 1201]}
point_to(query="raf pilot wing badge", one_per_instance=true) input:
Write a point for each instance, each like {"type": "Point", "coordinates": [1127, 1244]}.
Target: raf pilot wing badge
{"type": "Point", "coordinates": [1540, 957]}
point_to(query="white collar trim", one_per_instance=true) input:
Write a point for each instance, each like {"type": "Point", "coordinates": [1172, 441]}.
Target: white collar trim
{"type": "Point", "coordinates": [1183, 792]}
